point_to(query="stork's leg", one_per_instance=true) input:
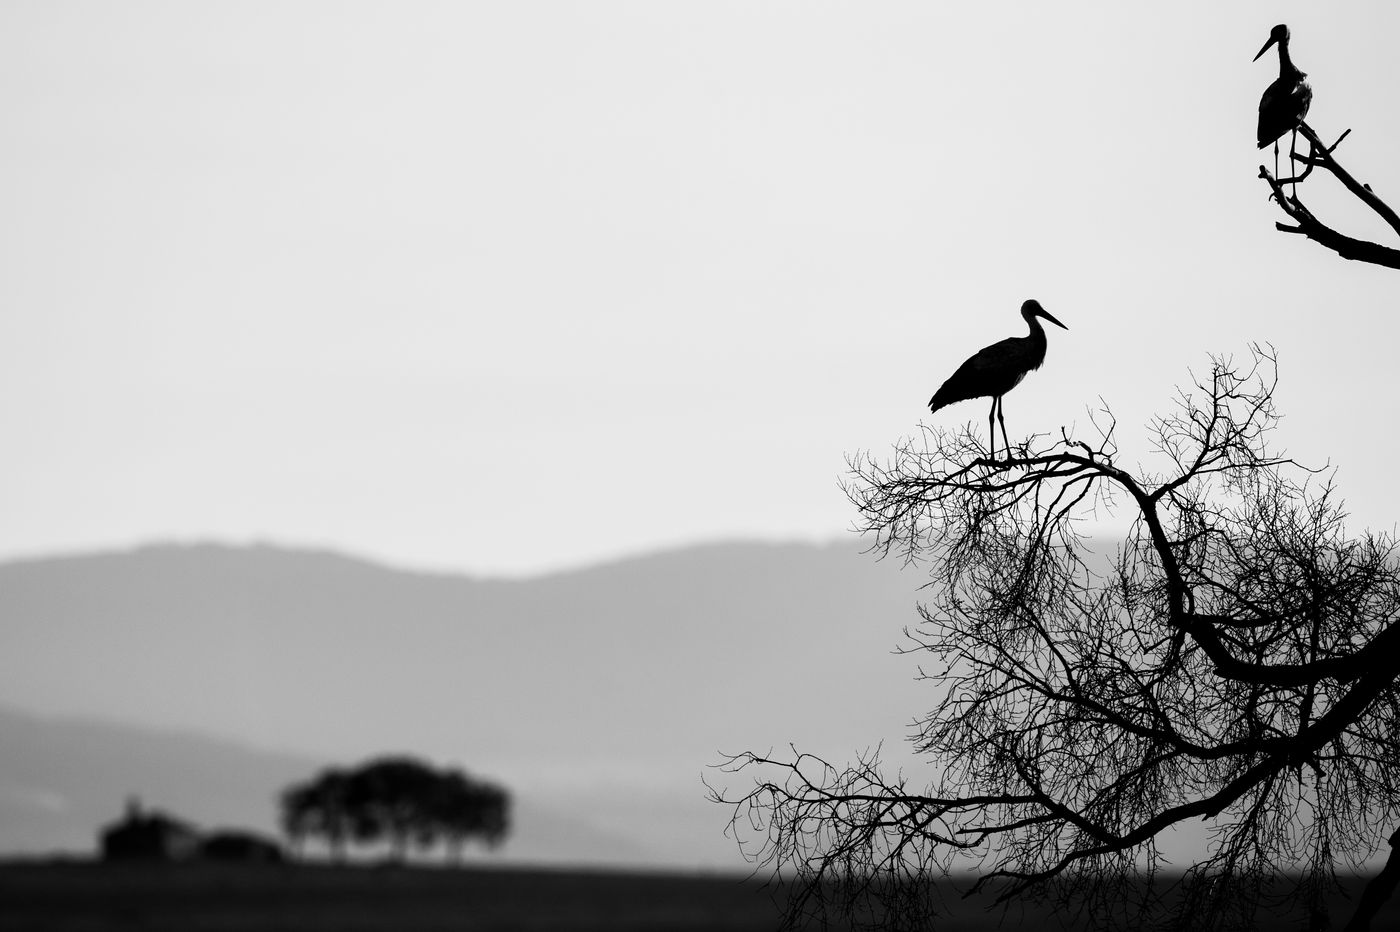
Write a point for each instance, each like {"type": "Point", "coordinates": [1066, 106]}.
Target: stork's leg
{"type": "Point", "coordinates": [991, 427]}
{"type": "Point", "coordinates": [1292, 166]}
{"type": "Point", "coordinates": [1001, 419]}
{"type": "Point", "coordinates": [1275, 158]}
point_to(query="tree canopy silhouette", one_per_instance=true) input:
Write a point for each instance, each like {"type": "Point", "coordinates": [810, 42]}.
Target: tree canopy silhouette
{"type": "Point", "coordinates": [400, 801]}
{"type": "Point", "coordinates": [1231, 662]}
{"type": "Point", "coordinates": [318, 808]}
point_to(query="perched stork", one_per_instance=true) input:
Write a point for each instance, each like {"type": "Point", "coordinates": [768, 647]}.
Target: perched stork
{"type": "Point", "coordinates": [997, 369]}
{"type": "Point", "coordinates": [1285, 102]}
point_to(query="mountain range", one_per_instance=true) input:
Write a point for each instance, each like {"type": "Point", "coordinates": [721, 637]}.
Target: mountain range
{"type": "Point", "coordinates": [202, 678]}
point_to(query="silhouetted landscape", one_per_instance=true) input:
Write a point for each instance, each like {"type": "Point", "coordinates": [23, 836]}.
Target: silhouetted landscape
{"type": "Point", "coordinates": [206, 678]}
{"type": "Point", "coordinates": [373, 372]}
{"type": "Point", "coordinates": [211, 678]}
{"type": "Point", "coordinates": [161, 613]}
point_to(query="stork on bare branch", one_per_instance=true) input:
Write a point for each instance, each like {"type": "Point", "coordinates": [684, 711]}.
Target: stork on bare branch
{"type": "Point", "coordinates": [995, 370]}
{"type": "Point", "coordinates": [1286, 101]}
{"type": "Point", "coordinates": [1282, 108]}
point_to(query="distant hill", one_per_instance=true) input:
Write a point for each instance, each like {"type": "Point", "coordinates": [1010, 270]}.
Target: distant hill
{"type": "Point", "coordinates": [603, 692]}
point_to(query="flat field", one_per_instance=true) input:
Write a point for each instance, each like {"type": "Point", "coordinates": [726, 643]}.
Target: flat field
{"type": "Point", "coordinates": [89, 897]}
{"type": "Point", "coordinates": [307, 898]}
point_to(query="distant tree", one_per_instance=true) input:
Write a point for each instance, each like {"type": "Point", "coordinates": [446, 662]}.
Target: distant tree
{"type": "Point", "coordinates": [1234, 665]}
{"type": "Point", "coordinates": [320, 808]}
{"type": "Point", "coordinates": [399, 801]}
{"type": "Point", "coordinates": [465, 808]}
{"type": "Point", "coordinates": [391, 800]}
{"type": "Point", "coordinates": [495, 816]}
{"type": "Point", "coordinates": [293, 804]}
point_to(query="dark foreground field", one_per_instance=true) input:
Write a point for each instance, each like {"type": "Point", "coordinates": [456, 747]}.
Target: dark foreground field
{"type": "Point", "coordinates": [235, 898]}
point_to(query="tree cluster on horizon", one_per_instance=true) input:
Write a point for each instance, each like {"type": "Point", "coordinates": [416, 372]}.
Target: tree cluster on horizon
{"type": "Point", "coordinates": [400, 801]}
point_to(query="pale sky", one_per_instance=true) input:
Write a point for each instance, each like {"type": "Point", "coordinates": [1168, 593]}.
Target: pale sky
{"type": "Point", "coordinates": [511, 286]}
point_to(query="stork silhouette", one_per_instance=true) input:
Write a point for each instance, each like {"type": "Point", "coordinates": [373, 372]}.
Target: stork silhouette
{"type": "Point", "coordinates": [997, 369]}
{"type": "Point", "coordinates": [1286, 101]}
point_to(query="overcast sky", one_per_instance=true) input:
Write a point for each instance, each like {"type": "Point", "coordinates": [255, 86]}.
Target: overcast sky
{"type": "Point", "coordinates": [504, 287]}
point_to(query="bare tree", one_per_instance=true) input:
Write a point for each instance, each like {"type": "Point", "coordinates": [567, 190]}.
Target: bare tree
{"type": "Point", "coordinates": [1306, 223]}
{"type": "Point", "coordinates": [1232, 665]}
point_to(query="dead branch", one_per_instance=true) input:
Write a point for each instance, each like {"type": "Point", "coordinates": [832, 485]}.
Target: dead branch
{"type": "Point", "coordinates": [1306, 222]}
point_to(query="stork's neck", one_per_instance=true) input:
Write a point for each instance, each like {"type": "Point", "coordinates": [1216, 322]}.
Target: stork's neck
{"type": "Point", "coordinates": [1285, 63]}
{"type": "Point", "coordinates": [1037, 334]}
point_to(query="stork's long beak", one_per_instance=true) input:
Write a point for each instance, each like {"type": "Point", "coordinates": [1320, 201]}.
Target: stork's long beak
{"type": "Point", "coordinates": [1046, 314]}
{"type": "Point", "coordinates": [1272, 40]}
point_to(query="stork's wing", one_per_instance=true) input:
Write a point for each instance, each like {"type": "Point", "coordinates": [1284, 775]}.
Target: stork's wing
{"type": "Point", "coordinates": [993, 370]}
{"type": "Point", "coordinates": [1284, 105]}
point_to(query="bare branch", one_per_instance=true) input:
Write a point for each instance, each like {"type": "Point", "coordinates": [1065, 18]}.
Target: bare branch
{"type": "Point", "coordinates": [1307, 224]}
{"type": "Point", "coordinates": [1325, 158]}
